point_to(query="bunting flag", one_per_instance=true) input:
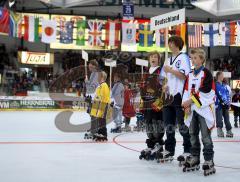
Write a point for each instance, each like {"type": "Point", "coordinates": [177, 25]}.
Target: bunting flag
{"type": "Point", "coordinates": [112, 33]}
{"type": "Point", "coordinates": [128, 33]}
{"type": "Point", "coordinates": [145, 35]}
{"type": "Point", "coordinates": [160, 38]}
{"type": "Point", "coordinates": [49, 31]}
{"type": "Point", "coordinates": [238, 32]}
{"type": "Point", "coordinates": [181, 31]}
{"type": "Point", "coordinates": [31, 29]}
{"type": "Point", "coordinates": [95, 33]}
{"type": "Point", "coordinates": [227, 31]}
{"type": "Point", "coordinates": [211, 34]}
{"type": "Point", "coordinates": [66, 33]}
{"type": "Point", "coordinates": [81, 26]}
{"type": "Point", "coordinates": [4, 20]}
{"type": "Point", "coordinates": [15, 24]}
{"type": "Point", "coordinates": [194, 36]}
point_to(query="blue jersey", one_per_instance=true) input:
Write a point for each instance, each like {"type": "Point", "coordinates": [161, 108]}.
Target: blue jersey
{"type": "Point", "coordinates": [223, 96]}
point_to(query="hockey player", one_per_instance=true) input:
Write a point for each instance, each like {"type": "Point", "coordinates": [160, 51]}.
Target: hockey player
{"type": "Point", "coordinates": [150, 93]}
{"type": "Point", "coordinates": [236, 110]}
{"type": "Point", "coordinates": [223, 102]}
{"type": "Point", "coordinates": [100, 107]}
{"type": "Point", "coordinates": [198, 103]}
{"type": "Point", "coordinates": [117, 97]}
{"type": "Point", "coordinates": [176, 68]}
{"type": "Point", "coordinates": [128, 108]}
{"type": "Point", "coordinates": [91, 85]}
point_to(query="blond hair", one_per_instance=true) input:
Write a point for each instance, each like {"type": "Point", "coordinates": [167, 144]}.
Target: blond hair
{"type": "Point", "coordinates": [103, 75]}
{"type": "Point", "coordinates": [200, 52]}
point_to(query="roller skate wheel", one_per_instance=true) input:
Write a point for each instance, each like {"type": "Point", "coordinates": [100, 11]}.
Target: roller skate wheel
{"type": "Point", "coordinates": [206, 173]}
{"type": "Point", "coordinates": [140, 157]}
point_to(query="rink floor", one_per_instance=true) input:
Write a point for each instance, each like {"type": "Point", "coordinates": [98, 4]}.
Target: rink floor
{"type": "Point", "coordinates": [32, 149]}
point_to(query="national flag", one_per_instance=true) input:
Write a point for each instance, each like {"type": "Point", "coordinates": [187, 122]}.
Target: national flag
{"type": "Point", "coordinates": [211, 34]}
{"type": "Point", "coordinates": [66, 33]}
{"type": "Point", "coordinates": [4, 20]}
{"type": "Point", "coordinates": [112, 33]}
{"type": "Point", "coordinates": [31, 29]}
{"type": "Point", "coordinates": [194, 36]}
{"type": "Point", "coordinates": [49, 31]}
{"type": "Point", "coordinates": [181, 31]}
{"type": "Point", "coordinates": [15, 24]}
{"type": "Point", "coordinates": [128, 33]}
{"type": "Point", "coordinates": [238, 32]}
{"type": "Point", "coordinates": [227, 31]}
{"type": "Point", "coordinates": [81, 26]}
{"type": "Point", "coordinates": [95, 33]}
{"type": "Point", "coordinates": [160, 37]}
{"type": "Point", "coordinates": [145, 35]}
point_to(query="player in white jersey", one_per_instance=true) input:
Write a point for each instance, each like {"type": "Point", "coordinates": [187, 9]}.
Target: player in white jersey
{"type": "Point", "coordinates": [198, 102]}
{"type": "Point", "coordinates": [176, 68]}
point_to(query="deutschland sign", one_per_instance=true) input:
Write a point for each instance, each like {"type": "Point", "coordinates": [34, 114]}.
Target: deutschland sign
{"type": "Point", "coordinates": [168, 19]}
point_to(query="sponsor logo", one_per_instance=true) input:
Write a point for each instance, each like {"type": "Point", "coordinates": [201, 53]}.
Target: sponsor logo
{"type": "Point", "coordinates": [4, 105]}
{"type": "Point", "coordinates": [15, 104]}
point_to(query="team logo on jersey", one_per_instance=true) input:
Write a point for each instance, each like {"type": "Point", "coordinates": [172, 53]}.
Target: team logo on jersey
{"type": "Point", "coordinates": [178, 63]}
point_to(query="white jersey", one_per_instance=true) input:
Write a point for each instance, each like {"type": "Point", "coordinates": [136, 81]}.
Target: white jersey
{"type": "Point", "coordinates": [181, 63]}
{"type": "Point", "coordinates": [200, 88]}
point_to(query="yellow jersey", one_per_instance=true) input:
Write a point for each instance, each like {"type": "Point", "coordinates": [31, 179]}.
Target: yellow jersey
{"type": "Point", "coordinates": [101, 101]}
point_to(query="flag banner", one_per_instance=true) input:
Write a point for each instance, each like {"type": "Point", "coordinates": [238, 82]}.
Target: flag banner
{"type": "Point", "coordinates": [49, 31]}
{"type": "Point", "coordinates": [95, 33]}
{"type": "Point", "coordinates": [81, 26]}
{"type": "Point", "coordinates": [4, 20]}
{"type": "Point", "coordinates": [211, 34]}
{"type": "Point", "coordinates": [112, 37]}
{"type": "Point", "coordinates": [227, 31]}
{"type": "Point", "coordinates": [145, 35]}
{"type": "Point", "coordinates": [129, 33]}
{"type": "Point", "coordinates": [180, 30]}
{"type": "Point", "coordinates": [238, 32]}
{"type": "Point", "coordinates": [15, 24]}
{"type": "Point", "coordinates": [31, 29]}
{"type": "Point", "coordinates": [160, 37]}
{"type": "Point", "coordinates": [194, 36]}
{"type": "Point", "coordinates": [66, 33]}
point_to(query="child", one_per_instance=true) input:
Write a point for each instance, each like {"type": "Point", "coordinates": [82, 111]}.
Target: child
{"type": "Point", "coordinates": [100, 106]}
{"type": "Point", "coordinates": [176, 68]}
{"type": "Point", "coordinates": [150, 93]}
{"type": "Point", "coordinates": [91, 85]}
{"type": "Point", "coordinates": [117, 97]}
{"type": "Point", "coordinates": [236, 109]}
{"type": "Point", "coordinates": [128, 108]}
{"type": "Point", "coordinates": [198, 103]}
{"type": "Point", "coordinates": [223, 102]}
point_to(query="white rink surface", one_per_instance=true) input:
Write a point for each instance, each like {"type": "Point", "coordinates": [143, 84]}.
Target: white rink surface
{"type": "Point", "coordinates": [32, 149]}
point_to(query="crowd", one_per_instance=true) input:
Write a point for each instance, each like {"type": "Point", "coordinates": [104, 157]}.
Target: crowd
{"type": "Point", "coordinates": [228, 64]}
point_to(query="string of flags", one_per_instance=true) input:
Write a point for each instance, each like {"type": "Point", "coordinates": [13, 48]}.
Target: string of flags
{"type": "Point", "coordinates": [99, 33]}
